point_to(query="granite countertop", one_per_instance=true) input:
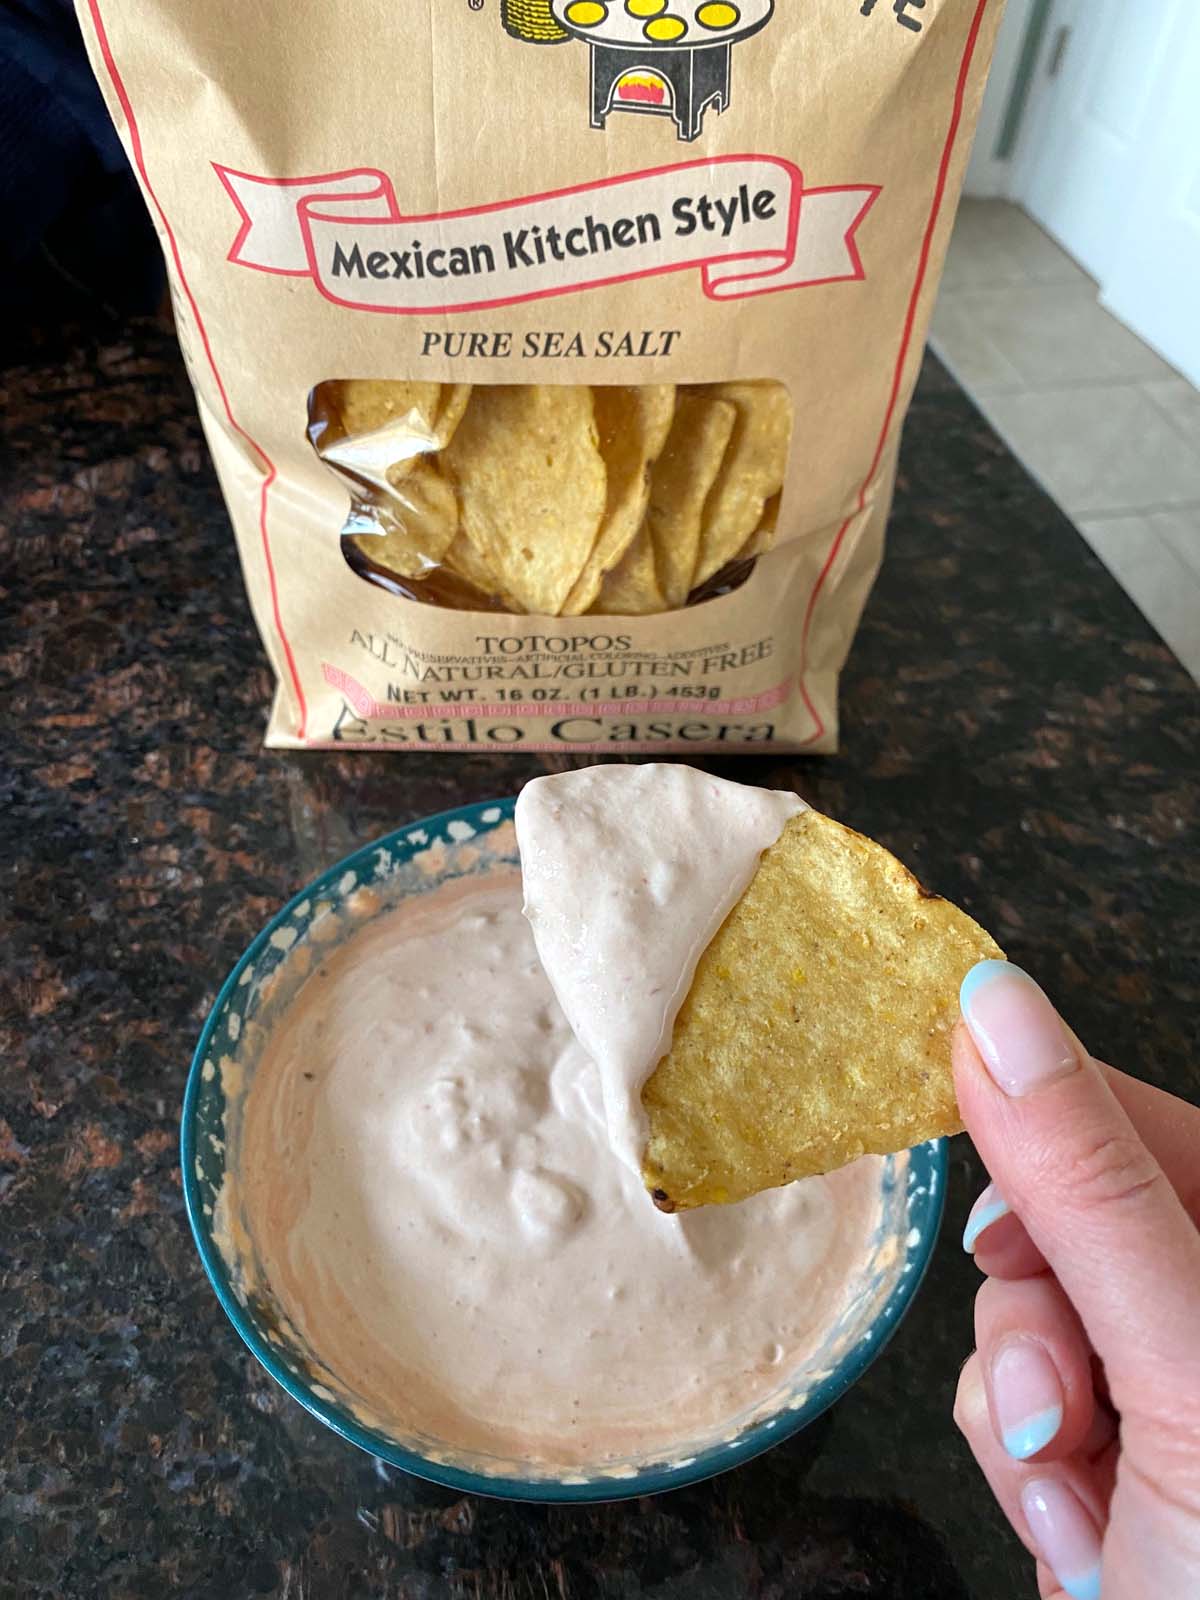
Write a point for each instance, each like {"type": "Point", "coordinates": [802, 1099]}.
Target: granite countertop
{"type": "Point", "coordinates": [1011, 727]}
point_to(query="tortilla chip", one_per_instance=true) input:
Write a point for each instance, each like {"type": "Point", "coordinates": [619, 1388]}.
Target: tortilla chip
{"type": "Point", "coordinates": [631, 588]}
{"type": "Point", "coordinates": [396, 418]}
{"type": "Point", "coordinates": [763, 537]}
{"type": "Point", "coordinates": [531, 487]}
{"type": "Point", "coordinates": [464, 561]}
{"type": "Point", "coordinates": [751, 472]}
{"type": "Point", "coordinates": [633, 424]}
{"type": "Point", "coordinates": [381, 430]}
{"type": "Point", "coordinates": [408, 530]}
{"type": "Point", "coordinates": [679, 487]}
{"type": "Point", "coordinates": [817, 1028]}
{"type": "Point", "coordinates": [382, 459]}
{"type": "Point", "coordinates": [364, 404]}
{"type": "Point", "coordinates": [450, 410]}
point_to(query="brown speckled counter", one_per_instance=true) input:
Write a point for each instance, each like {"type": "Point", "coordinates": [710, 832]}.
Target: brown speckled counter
{"type": "Point", "coordinates": [1012, 727]}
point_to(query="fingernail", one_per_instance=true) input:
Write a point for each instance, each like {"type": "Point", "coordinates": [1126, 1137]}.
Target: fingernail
{"type": "Point", "coordinates": [1065, 1535]}
{"type": "Point", "coordinates": [989, 1208]}
{"type": "Point", "coordinates": [1027, 1395]}
{"type": "Point", "coordinates": [1018, 1033]}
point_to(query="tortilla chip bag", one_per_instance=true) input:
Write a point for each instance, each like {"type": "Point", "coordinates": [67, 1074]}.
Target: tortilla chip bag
{"type": "Point", "coordinates": [817, 1027]}
{"type": "Point", "coordinates": [517, 361]}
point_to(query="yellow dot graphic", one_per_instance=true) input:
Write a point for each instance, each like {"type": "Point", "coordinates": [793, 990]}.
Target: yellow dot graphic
{"type": "Point", "coordinates": [586, 13]}
{"type": "Point", "coordinates": [645, 8]}
{"type": "Point", "coordinates": [717, 15]}
{"type": "Point", "coordinates": [664, 29]}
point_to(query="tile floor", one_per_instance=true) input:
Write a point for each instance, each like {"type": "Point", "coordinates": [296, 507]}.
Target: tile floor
{"type": "Point", "coordinates": [1110, 430]}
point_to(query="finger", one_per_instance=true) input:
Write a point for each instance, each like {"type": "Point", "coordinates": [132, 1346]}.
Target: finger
{"type": "Point", "coordinates": [1092, 1197]}
{"type": "Point", "coordinates": [1064, 1531]}
{"type": "Point", "coordinates": [1095, 1459]}
{"type": "Point", "coordinates": [998, 1239]}
{"type": "Point", "coordinates": [1049, 1587]}
{"type": "Point", "coordinates": [1170, 1128]}
{"type": "Point", "coordinates": [1058, 1511]}
{"type": "Point", "coordinates": [1007, 1251]}
{"type": "Point", "coordinates": [973, 1419]}
{"type": "Point", "coordinates": [1037, 1368]}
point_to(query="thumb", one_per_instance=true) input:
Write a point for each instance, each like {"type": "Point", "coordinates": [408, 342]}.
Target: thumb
{"type": "Point", "coordinates": [1094, 1200]}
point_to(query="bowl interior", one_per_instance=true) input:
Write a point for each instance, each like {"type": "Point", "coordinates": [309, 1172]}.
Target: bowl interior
{"type": "Point", "coordinates": [415, 860]}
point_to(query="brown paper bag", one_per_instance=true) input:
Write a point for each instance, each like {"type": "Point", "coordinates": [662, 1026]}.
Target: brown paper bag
{"type": "Point", "coordinates": [555, 392]}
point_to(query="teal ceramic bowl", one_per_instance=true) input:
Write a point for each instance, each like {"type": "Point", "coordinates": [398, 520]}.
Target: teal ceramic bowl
{"type": "Point", "coordinates": [415, 860]}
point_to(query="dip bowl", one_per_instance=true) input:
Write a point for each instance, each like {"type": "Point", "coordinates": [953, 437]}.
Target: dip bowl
{"type": "Point", "coordinates": [414, 860]}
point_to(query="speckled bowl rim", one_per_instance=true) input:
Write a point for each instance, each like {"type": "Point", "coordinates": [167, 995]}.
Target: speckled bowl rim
{"type": "Point", "coordinates": [926, 1200]}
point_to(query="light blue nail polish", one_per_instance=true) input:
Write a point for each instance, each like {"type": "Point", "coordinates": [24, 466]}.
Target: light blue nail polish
{"type": "Point", "coordinates": [982, 1217]}
{"type": "Point", "coordinates": [982, 972]}
{"type": "Point", "coordinates": [1034, 1434]}
{"type": "Point", "coordinates": [1085, 1588]}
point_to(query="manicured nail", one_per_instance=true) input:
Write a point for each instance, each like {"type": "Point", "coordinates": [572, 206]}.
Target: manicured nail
{"type": "Point", "coordinates": [1065, 1535]}
{"type": "Point", "coordinates": [1027, 1396]}
{"type": "Point", "coordinates": [989, 1208]}
{"type": "Point", "coordinates": [1017, 1031]}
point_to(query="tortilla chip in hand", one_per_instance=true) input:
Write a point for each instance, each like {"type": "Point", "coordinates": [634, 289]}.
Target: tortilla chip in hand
{"type": "Point", "coordinates": [817, 1028]}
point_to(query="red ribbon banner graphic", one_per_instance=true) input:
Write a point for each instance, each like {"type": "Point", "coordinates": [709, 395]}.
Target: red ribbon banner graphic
{"type": "Point", "coordinates": [746, 223]}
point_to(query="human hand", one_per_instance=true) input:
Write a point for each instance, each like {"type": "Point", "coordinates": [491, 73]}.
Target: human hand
{"type": "Point", "coordinates": [1081, 1402]}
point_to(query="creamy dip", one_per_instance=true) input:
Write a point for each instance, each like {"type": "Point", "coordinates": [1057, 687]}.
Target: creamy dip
{"type": "Point", "coordinates": [431, 1190]}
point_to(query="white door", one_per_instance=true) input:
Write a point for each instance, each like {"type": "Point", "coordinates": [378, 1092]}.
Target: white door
{"type": "Point", "coordinates": [1154, 281]}
{"type": "Point", "coordinates": [1109, 161]}
{"type": "Point", "coordinates": [989, 172]}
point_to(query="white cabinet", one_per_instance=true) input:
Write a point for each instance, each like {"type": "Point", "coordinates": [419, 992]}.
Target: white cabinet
{"type": "Point", "coordinates": [1109, 160]}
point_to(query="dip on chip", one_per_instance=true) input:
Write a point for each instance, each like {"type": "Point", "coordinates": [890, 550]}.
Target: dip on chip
{"type": "Point", "coordinates": [817, 1026]}
{"type": "Point", "coordinates": [767, 995]}
{"type": "Point", "coordinates": [532, 487]}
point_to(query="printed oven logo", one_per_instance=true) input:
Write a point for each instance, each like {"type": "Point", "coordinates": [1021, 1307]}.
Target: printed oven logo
{"type": "Point", "coordinates": [667, 58]}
